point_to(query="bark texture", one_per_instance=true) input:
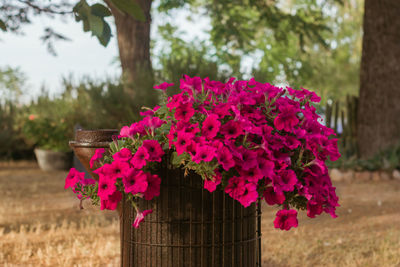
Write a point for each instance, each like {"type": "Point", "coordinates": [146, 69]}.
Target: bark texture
{"type": "Point", "coordinates": [379, 106]}
{"type": "Point", "coordinates": [134, 51]}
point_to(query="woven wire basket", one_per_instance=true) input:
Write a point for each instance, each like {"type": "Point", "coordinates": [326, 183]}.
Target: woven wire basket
{"type": "Point", "coordinates": [189, 227]}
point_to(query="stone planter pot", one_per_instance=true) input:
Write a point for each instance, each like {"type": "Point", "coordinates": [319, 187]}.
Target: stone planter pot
{"type": "Point", "coordinates": [189, 226]}
{"type": "Point", "coordinates": [49, 160]}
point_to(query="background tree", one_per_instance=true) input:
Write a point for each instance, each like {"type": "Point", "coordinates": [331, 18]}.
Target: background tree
{"type": "Point", "coordinates": [379, 104]}
{"type": "Point", "coordinates": [237, 27]}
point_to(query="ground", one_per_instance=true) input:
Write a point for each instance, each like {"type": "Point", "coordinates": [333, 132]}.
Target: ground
{"type": "Point", "coordinates": [41, 225]}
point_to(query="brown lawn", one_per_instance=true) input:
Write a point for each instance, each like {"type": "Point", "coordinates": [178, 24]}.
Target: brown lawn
{"type": "Point", "coordinates": [42, 225]}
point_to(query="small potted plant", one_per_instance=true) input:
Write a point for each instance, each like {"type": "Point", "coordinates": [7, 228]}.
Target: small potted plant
{"type": "Point", "coordinates": [242, 141]}
{"type": "Point", "coordinates": [50, 138]}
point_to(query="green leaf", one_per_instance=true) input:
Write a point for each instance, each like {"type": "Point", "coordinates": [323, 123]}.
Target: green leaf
{"type": "Point", "coordinates": [104, 39]}
{"type": "Point", "coordinates": [3, 25]}
{"type": "Point", "coordinates": [100, 10]}
{"type": "Point", "coordinates": [177, 160]}
{"type": "Point", "coordinates": [96, 25]}
{"type": "Point", "coordinates": [130, 7]}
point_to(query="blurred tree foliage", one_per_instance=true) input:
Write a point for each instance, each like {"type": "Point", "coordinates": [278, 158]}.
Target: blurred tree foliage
{"type": "Point", "coordinates": [12, 85]}
{"type": "Point", "coordinates": [324, 56]}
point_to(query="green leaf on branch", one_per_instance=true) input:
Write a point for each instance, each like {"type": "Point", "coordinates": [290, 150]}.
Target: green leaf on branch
{"type": "Point", "coordinates": [130, 7]}
{"type": "Point", "coordinates": [92, 18]}
{"type": "Point", "coordinates": [3, 25]}
{"type": "Point", "coordinates": [96, 25]}
{"type": "Point", "coordinates": [104, 39]}
{"type": "Point", "coordinates": [100, 10]}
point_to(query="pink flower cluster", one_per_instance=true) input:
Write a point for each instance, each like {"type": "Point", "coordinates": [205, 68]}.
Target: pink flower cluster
{"type": "Point", "coordinates": [257, 140]}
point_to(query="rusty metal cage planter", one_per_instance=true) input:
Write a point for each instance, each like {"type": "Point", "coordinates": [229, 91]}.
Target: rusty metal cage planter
{"type": "Point", "coordinates": [189, 227]}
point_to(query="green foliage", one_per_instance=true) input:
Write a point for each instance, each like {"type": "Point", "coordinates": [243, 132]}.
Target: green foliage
{"type": "Point", "coordinates": [388, 159]}
{"type": "Point", "coordinates": [130, 7]}
{"type": "Point", "coordinates": [180, 57]}
{"type": "Point", "coordinates": [12, 83]}
{"type": "Point", "coordinates": [92, 18]}
{"type": "Point", "coordinates": [46, 123]}
{"type": "Point", "coordinates": [100, 104]}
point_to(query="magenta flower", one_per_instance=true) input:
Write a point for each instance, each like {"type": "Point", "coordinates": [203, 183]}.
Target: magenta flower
{"type": "Point", "coordinates": [140, 158]}
{"type": "Point", "coordinates": [154, 149]}
{"type": "Point", "coordinates": [153, 189]}
{"type": "Point", "coordinates": [111, 202]}
{"type": "Point", "coordinates": [135, 181]}
{"type": "Point", "coordinates": [210, 126]}
{"type": "Point", "coordinates": [163, 86]}
{"type": "Point", "coordinates": [98, 154]}
{"type": "Point", "coordinates": [152, 123]}
{"type": "Point", "coordinates": [248, 159]}
{"type": "Point", "coordinates": [287, 118]}
{"type": "Point", "coordinates": [212, 184]}
{"type": "Point", "coordinates": [249, 196]}
{"type": "Point", "coordinates": [73, 177]}
{"type": "Point", "coordinates": [231, 130]}
{"type": "Point", "coordinates": [235, 187]}
{"type": "Point", "coordinates": [287, 180]}
{"type": "Point", "coordinates": [116, 169]}
{"type": "Point", "coordinates": [252, 175]}
{"type": "Point", "coordinates": [140, 217]}
{"type": "Point", "coordinates": [123, 155]}
{"type": "Point", "coordinates": [184, 112]}
{"type": "Point", "coordinates": [183, 140]}
{"type": "Point", "coordinates": [286, 219]}
{"type": "Point", "coordinates": [106, 187]}
{"type": "Point", "coordinates": [313, 209]}
{"type": "Point", "coordinates": [272, 197]}
{"type": "Point", "coordinates": [224, 157]}
{"type": "Point", "coordinates": [266, 167]}
{"type": "Point", "coordinates": [204, 153]}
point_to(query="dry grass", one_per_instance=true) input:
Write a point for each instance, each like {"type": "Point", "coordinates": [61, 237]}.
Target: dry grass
{"type": "Point", "coordinates": [41, 225]}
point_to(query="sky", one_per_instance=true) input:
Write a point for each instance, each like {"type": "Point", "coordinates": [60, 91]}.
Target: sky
{"type": "Point", "coordinates": [81, 56]}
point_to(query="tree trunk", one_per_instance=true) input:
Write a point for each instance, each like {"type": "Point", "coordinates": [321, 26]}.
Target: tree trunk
{"type": "Point", "coordinates": [134, 52]}
{"type": "Point", "coordinates": [379, 106]}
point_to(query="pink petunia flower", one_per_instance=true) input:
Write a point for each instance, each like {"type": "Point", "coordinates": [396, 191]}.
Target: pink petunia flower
{"type": "Point", "coordinates": [225, 158]}
{"type": "Point", "coordinates": [249, 196]}
{"type": "Point", "coordinates": [235, 187]}
{"type": "Point", "coordinates": [124, 155]}
{"type": "Point", "coordinates": [73, 177]}
{"type": "Point", "coordinates": [140, 158]}
{"type": "Point", "coordinates": [183, 140]}
{"type": "Point", "coordinates": [314, 208]}
{"type": "Point", "coordinates": [231, 129]}
{"type": "Point", "coordinates": [154, 149]}
{"type": "Point", "coordinates": [287, 118]}
{"type": "Point", "coordinates": [106, 187]}
{"type": "Point", "coordinates": [184, 112]}
{"type": "Point", "coordinates": [111, 202]}
{"type": "Point", "coordinates": [163, 86]}
{"type": "Point", "coordinates": [135, 181]}
{"type": "Point", "coordinates": [210, 126]}
{"type": "Point", "coordinates": [140, 217]}
{"type": "Point", "coordinates": [286, 219]}
{"type": "Point", "coordinates": [153, 189]}
{"type": "Point", "coordinates": [204, 153]}
{"type": "Point", "coordinates": [287, 180]}
{"type": "Point", "coordinates": [272, 197]}
{"type": "Point", "coordinates": [248, 158]}
{"type": "Point", "coordinates": [116, 169]}
{"type": "Point", "coordinates": [266, 167]}
{"type": "Point", "coordinates": [212, 184]}
{"type": "Point", "coordinates": [98, 154]}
